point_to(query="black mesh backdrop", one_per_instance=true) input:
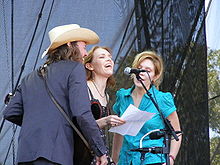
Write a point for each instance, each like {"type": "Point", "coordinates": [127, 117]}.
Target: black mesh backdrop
{"type": "Point", "coordinates": [176, 30]}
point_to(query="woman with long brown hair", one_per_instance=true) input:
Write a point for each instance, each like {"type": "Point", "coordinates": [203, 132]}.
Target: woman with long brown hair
{"type": "Point", "coordinates": [99, 70]}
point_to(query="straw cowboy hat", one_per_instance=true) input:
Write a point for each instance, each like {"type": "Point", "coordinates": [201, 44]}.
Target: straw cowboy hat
{"type": "Point", "coordinates": [61, 35]}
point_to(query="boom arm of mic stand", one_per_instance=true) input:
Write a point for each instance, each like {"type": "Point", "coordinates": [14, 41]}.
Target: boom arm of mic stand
{"type": "Point", "coordinates": [166, 121]}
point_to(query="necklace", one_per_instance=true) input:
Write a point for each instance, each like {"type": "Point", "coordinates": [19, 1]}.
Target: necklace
{"type": "Point", "coordinates": [97, 89]}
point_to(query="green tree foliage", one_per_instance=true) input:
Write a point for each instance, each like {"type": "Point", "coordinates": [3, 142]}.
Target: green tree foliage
{"type": "Point", "coordinates": [214, 89]}
{"type": "Point", "coordinates": [214, 103]}
{"type": "Point", "coordinates": [215, 150]}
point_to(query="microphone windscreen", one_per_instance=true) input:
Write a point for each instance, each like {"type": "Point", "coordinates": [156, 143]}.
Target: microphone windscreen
{"type": "Point", "coordinates": [127, 71]}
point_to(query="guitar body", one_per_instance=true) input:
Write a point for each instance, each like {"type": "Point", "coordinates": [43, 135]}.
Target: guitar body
{"type": "Point", "coordinates": [82, 154]}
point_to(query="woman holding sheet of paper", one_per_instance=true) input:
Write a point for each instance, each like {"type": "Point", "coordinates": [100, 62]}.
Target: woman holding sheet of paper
{"type": "Point", "coordinates": [136, 95]}
{"type": "Point", "coordinates": [99, 70]}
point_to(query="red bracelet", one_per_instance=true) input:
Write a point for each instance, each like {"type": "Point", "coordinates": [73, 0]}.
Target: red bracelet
{"type": "Point", "coordinates": [172, 157]}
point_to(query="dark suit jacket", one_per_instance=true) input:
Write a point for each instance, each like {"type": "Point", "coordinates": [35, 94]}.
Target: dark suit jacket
{"type": "Point", "coordinates": [44, 131]}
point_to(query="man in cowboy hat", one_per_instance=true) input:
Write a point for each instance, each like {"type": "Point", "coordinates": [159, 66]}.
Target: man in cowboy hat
{"type": "Point", "coordinates": [46, 138]}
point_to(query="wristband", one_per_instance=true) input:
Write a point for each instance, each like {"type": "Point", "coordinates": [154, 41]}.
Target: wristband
{"type": "Point", "coordinates": [172, 157]}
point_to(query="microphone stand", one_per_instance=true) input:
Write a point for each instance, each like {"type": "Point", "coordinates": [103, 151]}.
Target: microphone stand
{"type": "Point", "coordinates": [143, 151]}
{"type": "Point", "coordinates": [169, 129]}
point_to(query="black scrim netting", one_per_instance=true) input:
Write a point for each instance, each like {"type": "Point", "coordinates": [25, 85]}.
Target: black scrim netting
{"type": "Point", "coordinates": [176, 30]}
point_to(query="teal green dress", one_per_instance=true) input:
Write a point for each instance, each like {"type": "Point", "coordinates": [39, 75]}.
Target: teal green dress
{"type": "Point", "coordinates": [166, 104]}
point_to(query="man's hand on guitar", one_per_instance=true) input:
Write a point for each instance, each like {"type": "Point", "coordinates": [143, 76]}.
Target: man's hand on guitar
{"type": "Point", "coordinates": [101, 160]}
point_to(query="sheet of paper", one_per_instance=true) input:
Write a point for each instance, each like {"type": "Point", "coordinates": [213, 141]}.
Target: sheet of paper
{"type": "Point", "coordinates": [135, 120]}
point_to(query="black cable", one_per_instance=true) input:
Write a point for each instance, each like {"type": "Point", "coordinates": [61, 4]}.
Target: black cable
{"type": "Point", "coordinates": [180, 134]}
{"type": "Point", "coordinates": [12, 76]}
{"type": "Point", "coordinates": [124, 35]}
{"type": "Point", "coordinates": [38, 54]}
{"type": "Point", "coordinates": [208, 7]}
{"type": "Point", "coordinates": [145, 23]}
{"type": "Point", "coordinates": [162, 29]}
{"type": "Point", "coordinates": [32, 39]}
{"type": "Point", "coordinates": [190, 47]}
{"type": "Point", "coordinates": [214, 97]}
{"type": "Point", "coordinates": [207, 100]}
{"type": "Point", "coordinates": [151, 83]}
{"type": "Point", "coordinates": [154, 26]}
{"type": "Point", "coordinates": [22, 69]}
{"type": "Point", "coordinates": [9, 146]}
{"type": "Point", "coordinates": [6, 38]}
{"type": "Point", "coordinates": [187, 47]}
{"type": "Point", "coordinates": [126, 54]}
{"type": "Point", "coordinates": [6, 48]}
{"type": "Point", "coordinates": [12, 44]}
{"type": "Point", "coordinates": [14, 127]}
{"type": "Point", "coordinates": [193, 50]}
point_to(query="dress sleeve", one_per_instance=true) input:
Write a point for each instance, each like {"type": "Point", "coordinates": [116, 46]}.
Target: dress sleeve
{"type": "Point", "coordinates": [168, 105]}
{"type": "Point", "coordinates": [116, 106]}
{"type": "Point", "coordinates": [14, 110]}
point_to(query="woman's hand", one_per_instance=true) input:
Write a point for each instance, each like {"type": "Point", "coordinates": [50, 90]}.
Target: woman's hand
{"type": "Point", "coordinates": [114, 120]}
{"type": "Point", "coordinates": [111, 120]}
{"type": "Point", "coordinates": [171, 162]}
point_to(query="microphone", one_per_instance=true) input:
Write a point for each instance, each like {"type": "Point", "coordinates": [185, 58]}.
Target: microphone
{"type": "Point", "coordinates": [154, 150]}
{"type": "Point", "coordinates": [158, 135]}
{"type": "Point", "coordinates": [129, 71]}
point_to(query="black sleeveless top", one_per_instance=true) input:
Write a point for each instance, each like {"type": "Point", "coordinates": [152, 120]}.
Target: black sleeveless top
{"type": "Point", "coordinates": [98, 110]}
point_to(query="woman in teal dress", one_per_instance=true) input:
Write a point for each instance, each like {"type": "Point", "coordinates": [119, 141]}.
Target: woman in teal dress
{"type": "Point", "coordinates": [137, 96]}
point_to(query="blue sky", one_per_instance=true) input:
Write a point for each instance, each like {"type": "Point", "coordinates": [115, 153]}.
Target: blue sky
{"type": "Point", "coordinates": [213, 25]}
